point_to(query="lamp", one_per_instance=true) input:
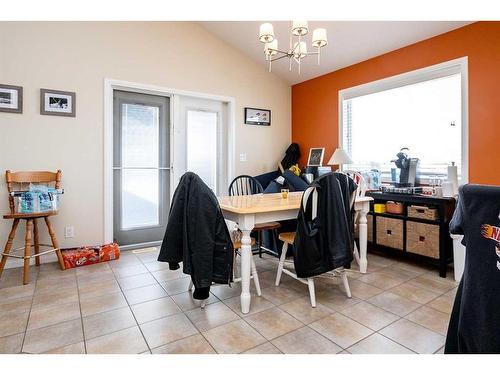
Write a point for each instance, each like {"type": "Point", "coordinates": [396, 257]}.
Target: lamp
{"type": "Point", "coordinates": [319, 38]}
{"type": "Point", "coordinates": [299, 28]}
{"type": "Point", "coordinates": [300, 49]}
{"type": "Point", "coordinates": [340, 157]}
{"type": "Point", "coordinates": [271, 48]}
{"type": "Point", "coordinates": [266, 33]}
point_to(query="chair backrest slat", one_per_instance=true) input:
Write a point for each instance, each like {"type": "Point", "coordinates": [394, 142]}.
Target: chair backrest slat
{"type": "Point", "coordinates": [245, 185]}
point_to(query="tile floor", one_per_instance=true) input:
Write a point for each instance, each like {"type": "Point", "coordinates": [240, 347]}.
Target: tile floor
{"type": "Point", "coordinates": [137, 305]}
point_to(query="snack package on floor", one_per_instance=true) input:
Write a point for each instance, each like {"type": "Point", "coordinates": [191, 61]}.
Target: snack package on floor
{"type": "Point", "coordinates": [83, 256]}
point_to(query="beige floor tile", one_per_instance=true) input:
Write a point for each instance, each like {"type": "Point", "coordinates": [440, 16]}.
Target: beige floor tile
{"type": "Point", "coordinates": [369, 315]}
{"type": "Point", "coordinates": [144, 294]}
{"type": "Point", "coordinates": [15, 305]}
{"type": "Point", "coordinates": [305, 341]}
{"type": "Point", "coordinates": [16, 292]}
{"type": "Point", "coordinates": [137, 281]}
{"type": "Point", "coordinates": [272, 323]}
{"type": "Point", "coordinates": [56, 274]}
{"type": "Point", "coordinates": [103, 303]}
{"type": "Point", "coordinates": [258, 304]}
{"type": "Point", "coordinates": [362, 290]}
{"type": "Point", "coordinates": [223, 292]}
{"type": "Point", "coordinates": [414, 293]}
{"type": "Point", "coordinates": [186, 301]}
{"type": "Point", "coordinates": [13, 322]}
{"type": "Point", "coordinates": [125, 261]}
{"type": "Point", "coordinates": [430, 318]}
{"type": "Point", "coordinates": [149, 256]}
{"type": "Point", "coordinates": [155, 309]}
{"type": "Point", "coordinates": [341, 330]}
{"type": "Point", "coordinates": [195, 344]}
{"type": "Point", "coordinates": [378, 344]}
{"type": "Point", "coordinates": [234, 337]}
{"type": "Point", "coordinates": [177, 286]}
{"type": "Point", "coordinates": [165, 330]}
{"type": "Point", "coordinates": [452, 292]}
{"type": "Point", "coordinates": [440, 351]}
{"type": "Point", "coordinates": [78, 348]}
{"type": "Point", "coordinates": [335, 299]}
{"type": "Point", "coordinates": [280, 294]}
{"type": "Point", "coordinates": [403, 274]}
{"type": "Point", "coordinates": [432, 284]}
{"type": "Point", "coordinates": [43, 317]}
{"type": "Point", "coordinates": [416, 268]}
{"type": "Point", "coordinates": [85, 280]}
{"type": "Point", "coordinates": [167, 275]}
{"type": "Point", "coordinates": [127, 341]}
{"type": "Point", "coordinates": [11, 344]}
{"type": "Point", "coordinates": [108, 322]}
{"type": "Point", "coordinates": [266, 348]}
{"type": "Point", "coordinates": [49, 285]}
{"type": "Point", "coordinates": [132, 270]}
{"type": "Point", "coordinates": [443, 303]}
{"type": "Point", "coordinates": [97, 289]}
{"type": "Point", "coordinates": [211, 316]}
{"type": "Point", "coordinates": [91, 269]}
{"type": "Point", "coordinates": [156, 266]}
{"type": "Point", "coordinates": [302, 310]}
{"type": "Point", "coordinates": [380, 280]}
{"type": "Point", "coordinates": [414, 336]}
{"type": "Point", "coordinates": [394, 303]}
{"type": "Point", "coordinates": [381, 260]}
{"type": "Point", "coordinates": [55, 297]}
{"type": "Point", "coordinates": [56, 336]}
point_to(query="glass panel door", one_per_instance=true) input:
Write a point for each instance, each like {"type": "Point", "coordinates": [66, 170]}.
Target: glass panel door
{"type": "Point", "coordinates": [141, 167]}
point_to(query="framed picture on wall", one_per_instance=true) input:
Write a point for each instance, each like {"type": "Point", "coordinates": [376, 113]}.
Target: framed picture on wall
{"type": "Point", "coordinates": [11, 98]}
{"type": "Point", "coordinates": [57, 103]}
{"type": "Point", "coordinates": [316, 157]}
{"type": "Point", "coordinates": [256, 116]}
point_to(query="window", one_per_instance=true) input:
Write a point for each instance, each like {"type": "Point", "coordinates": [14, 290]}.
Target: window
{"type": "Point", "coordinates": [422, 110]}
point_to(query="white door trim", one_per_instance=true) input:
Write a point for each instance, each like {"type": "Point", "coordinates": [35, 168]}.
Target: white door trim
{"type": "Point", "coordinates": [109, 86]}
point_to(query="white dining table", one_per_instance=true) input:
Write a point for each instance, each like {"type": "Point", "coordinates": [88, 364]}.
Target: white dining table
{"type": "Point", "coordinates": [248, 210]}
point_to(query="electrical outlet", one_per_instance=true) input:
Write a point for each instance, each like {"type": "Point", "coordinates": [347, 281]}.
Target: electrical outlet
{"type": "Point", "coordinates": [69, 232]}
{"type": "Point", "coordinates": [243, 157]}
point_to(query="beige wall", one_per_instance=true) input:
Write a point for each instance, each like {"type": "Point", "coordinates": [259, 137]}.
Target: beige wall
{"type": "Point", "coordinates": [78, 56]}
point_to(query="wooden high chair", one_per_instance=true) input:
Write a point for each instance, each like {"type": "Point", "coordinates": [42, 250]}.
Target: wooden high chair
{"type": "Point", "coordinates": [15, 179]}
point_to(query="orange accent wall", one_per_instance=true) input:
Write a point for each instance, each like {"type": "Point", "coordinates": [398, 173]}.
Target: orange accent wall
{"type": "Point", "coordinates": [315, 102]}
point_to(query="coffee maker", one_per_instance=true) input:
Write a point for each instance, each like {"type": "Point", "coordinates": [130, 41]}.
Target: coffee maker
{"type": "Point", "coordinates": [409, 167]}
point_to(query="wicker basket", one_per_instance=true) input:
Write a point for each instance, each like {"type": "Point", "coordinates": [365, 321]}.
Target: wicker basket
{"type": "Point", "coordinates": [423, 212]}
{"type": "Point", "coordinates": [390, 232]}
{"type": "Point", "coordinates": [422, 239]}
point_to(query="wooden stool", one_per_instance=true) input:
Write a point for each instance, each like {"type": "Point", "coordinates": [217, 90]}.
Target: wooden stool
{"type": "Point", "coordinates": [31, 222]}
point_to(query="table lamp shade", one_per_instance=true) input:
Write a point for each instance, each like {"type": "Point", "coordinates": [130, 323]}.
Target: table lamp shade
{"type": "Point", "coordinates": [340, 157]}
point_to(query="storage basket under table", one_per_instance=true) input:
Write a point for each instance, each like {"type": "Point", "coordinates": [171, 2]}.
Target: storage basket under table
{"type": "Point", "coordinates": [422, 239]}
{"type": "Point", "coordinates": [390, 232]}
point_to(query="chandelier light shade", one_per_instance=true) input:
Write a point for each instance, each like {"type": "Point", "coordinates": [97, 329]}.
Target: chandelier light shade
{"type": "Point", "coordinates": [297, 49]}
{"type": "Point", "coordinates": [299, 28]}
{"type": "Point", "coordinates": [266, 34]}
{"type": "Point", "coordinates": [319, 38]}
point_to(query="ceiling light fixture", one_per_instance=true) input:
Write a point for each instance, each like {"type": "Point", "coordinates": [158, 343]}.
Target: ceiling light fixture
{"type": "Point", "coordinates": [298, 49]}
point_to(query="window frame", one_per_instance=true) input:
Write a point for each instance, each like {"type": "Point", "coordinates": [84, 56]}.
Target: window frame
{"type": "Point", "coordinates": [447, 68]}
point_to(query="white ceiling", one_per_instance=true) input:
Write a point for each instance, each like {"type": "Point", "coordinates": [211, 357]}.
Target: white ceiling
{"type": "Point", "coordinates": [349, 42]}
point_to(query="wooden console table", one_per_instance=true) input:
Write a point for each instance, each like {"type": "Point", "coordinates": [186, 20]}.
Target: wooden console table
{"type": "Point", "coordinates": [430, 238]}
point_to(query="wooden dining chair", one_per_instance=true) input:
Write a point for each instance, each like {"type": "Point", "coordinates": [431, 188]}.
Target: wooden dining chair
{"type": "Point", "coordinates": [248, 185]}
{"type": "Point", "coordinates": [15, 182]}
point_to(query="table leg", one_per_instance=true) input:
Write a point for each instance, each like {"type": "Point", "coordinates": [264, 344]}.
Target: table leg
{"type": "Point", "coordinates": [363, 237]}
{"type": "Point", "coordinates": [246, 261]}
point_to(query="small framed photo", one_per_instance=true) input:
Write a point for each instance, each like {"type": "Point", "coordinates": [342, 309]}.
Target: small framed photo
{"type": "Point", "coordinates": [11, 99]}
{"type": "Point", "coordinates": [57, 103]}
{"type": "Point", "coordinates": [316, 157]}
{"type": "Point", "coordinates": [256, 116]}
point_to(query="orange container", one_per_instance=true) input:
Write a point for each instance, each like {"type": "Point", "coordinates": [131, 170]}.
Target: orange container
{"type": "Point", "coordinates": [83, 256]}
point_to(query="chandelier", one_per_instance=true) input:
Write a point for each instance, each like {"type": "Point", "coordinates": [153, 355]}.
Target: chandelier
{"type": "Point", "coordinates": [297, 50]}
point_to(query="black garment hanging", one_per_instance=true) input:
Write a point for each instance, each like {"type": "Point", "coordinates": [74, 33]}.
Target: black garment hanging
{"type": "Point", "coordinates": [324, 238]}
{"type": "Point", "coordinates": [197, 236]}
{"type": "Point", "coordinates": [474, 326]}
{"type": "Point", "coordinates": [292, 156]}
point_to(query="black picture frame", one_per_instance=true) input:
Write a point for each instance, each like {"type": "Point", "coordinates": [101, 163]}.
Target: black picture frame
{"type": "Point", "coordinates": [264, 114]}
{"type": "Point", "coordinates": [68, 96]}
{"type": "Point", "coordinates": [5, 98]}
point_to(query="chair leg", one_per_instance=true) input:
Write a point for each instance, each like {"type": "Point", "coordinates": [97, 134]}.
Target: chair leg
{"type": "Point", "coordinates": [259, 242]}
{"type": "Point", "coordinates": [256, 278]}
{"type": "Point", "coordinates": [37, 241]}
{"type": "Point", "coordinates": [281, 263]}
{"type": "Point", "coordinates": [356, 252]}
{"type": "Point", "coordinates": [27, 253]}
{"type": "Point", "coordinates": [8, 245]}
{"type": "Point", "coordinates": [345, 282]}
{"type": "Point", "coordinates": [55, 244]}
{"type": "Point", "coordinates": [312, 294]}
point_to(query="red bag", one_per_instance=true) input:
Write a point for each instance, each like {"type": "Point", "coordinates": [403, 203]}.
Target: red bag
{"type": "Point", "coordinates": [82, 256]}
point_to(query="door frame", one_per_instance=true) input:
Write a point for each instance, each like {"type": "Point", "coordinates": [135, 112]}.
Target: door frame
{"type": "Point", "coordinates": [112, 84]}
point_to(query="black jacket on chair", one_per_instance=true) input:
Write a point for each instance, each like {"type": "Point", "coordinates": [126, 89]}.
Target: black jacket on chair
{"type": "Point", "coordinates": [474, 326]}
{"type": "Point", "coordinates": [325, 242]}
{"type": "Point", "coordinates": [197, 236]}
